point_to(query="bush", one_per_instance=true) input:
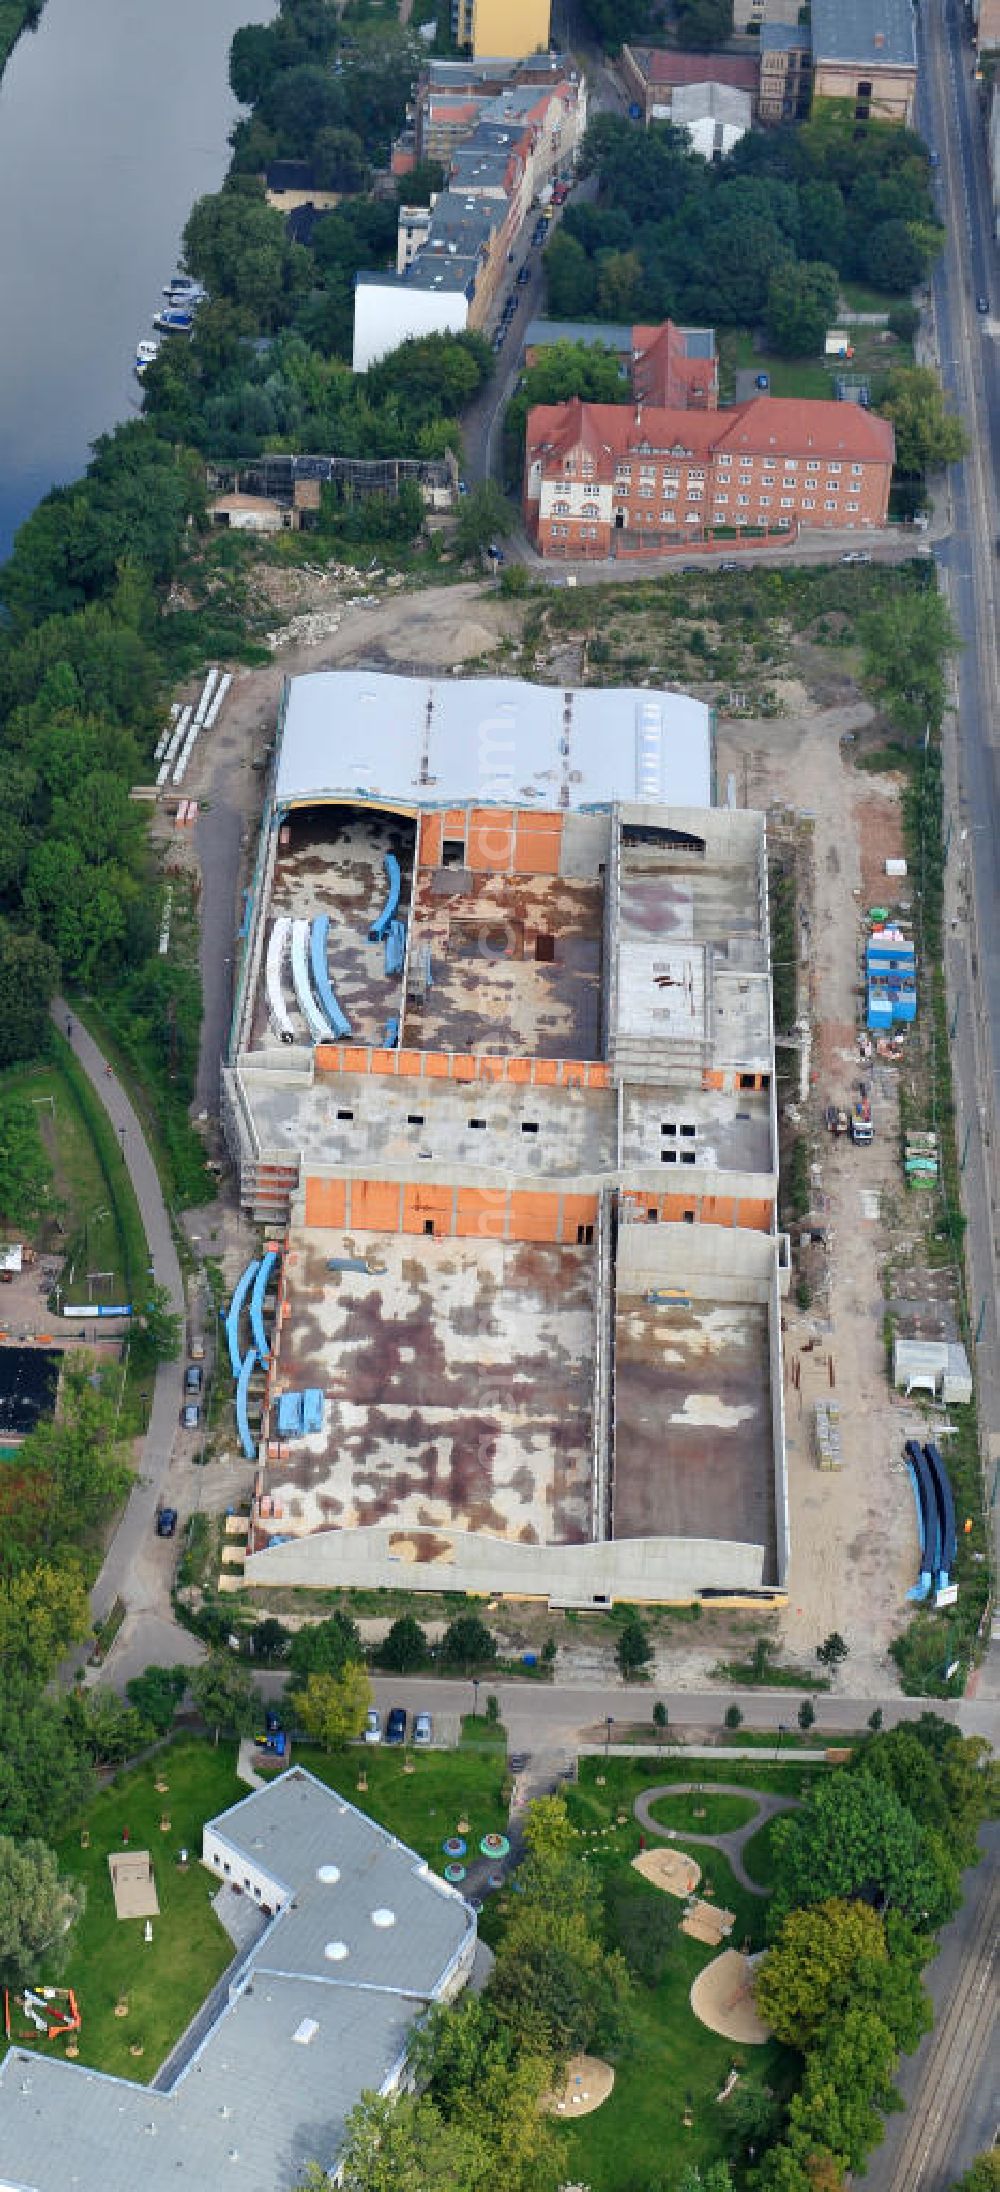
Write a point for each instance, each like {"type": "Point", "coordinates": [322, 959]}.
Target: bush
{"type": "Point", "coordinates": [904, 320]}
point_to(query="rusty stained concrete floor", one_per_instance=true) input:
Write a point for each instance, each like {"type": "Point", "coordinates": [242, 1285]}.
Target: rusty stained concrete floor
{"type": "Point", "coordinates": [333, 865]}
{"type": "Point", "coordinates": [693, 1454]}
{"type": "Point", "coordinates": [489, 992]}
{"type": "Point", "coordinates": [458, 1381]}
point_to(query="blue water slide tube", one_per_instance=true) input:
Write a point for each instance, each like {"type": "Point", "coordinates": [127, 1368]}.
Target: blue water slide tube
{"type": "Point", "coordinates": [247, 1440]}
{"type": "Point", "coordinates": [930, 1532]}
{"type": "Point", "coordinates": [264, 1270]}
{"type": "Point", "coordinates": [945, 1507]}
{"type": "Point", "coordinates": [321, 976]}
{"type": "Point", "coordinates": [392, 1034]}
{"type": "Point", "coordinates": [234, 1313]}
{"type": "Point", "coordinates": [380, 925]}
{"type": "Point", "coordinates": [395, 947]}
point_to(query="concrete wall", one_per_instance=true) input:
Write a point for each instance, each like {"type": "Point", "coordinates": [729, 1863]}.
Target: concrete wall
{"type": "Point", "coordinates": [653, 1570]}
{"type": "Point", "coordinates": [387, 313]}
{"type": "Point", "coordinates": [706, 1261]}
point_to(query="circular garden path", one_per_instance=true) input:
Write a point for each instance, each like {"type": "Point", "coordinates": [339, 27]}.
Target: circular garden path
{"type": "Point", "coordinates": [730, 1844]}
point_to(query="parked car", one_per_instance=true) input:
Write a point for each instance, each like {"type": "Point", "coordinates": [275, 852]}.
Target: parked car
{"type": "Point", "coordinates": [193, 1376]}
{"type": "Point", "coordinates": [763, 380]}
{"type": "Point", "coordinates": [395, 1727]}
{"type": "Point", "coordinates": [373, 1725]}
{"type": "Point", "coordinates": [423, 1729]}
{"type": "Point", "coordinates": [857, 555]}
{"type": "Point", "coordinates": [166, 1521]}
{"type": "Point", "coordinates": [495, 552]}
{"type": "Point", "coordinates": [190, 1416]}
{"type": "Point", "coordinates": [729, 566]}
{"type": "Point", "coordinates": [524, 275]}
{"type": "Point", "coordinates": [197, 1350]}
{"type": "Point", "coordinates": [982, 304]}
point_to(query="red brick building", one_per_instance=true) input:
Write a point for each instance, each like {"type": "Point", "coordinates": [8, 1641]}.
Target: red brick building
{"type": "Point", "coordinates": [604, 479]}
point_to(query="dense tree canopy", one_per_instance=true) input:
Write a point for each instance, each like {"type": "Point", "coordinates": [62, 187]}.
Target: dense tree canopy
{"type": "Point", "coordinates": [854, 1839]}
{"type": "Point", "coordinates": [708, 240]}
{"type": "Point", "coordinates": [38, 1910]}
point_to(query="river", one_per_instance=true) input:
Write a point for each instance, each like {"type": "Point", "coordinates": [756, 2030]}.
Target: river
{"type": "Point", "coordinates": [114, 117]}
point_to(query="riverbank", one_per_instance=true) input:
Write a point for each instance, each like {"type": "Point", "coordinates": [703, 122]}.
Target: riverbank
{"type": "Point", "coordinates": [15, 17]}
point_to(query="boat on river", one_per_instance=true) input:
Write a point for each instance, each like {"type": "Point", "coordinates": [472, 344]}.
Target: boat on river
{"type": "Point", "coordinates": [145, 352]}
{"type": "Point", "coordinates": [174, 320]}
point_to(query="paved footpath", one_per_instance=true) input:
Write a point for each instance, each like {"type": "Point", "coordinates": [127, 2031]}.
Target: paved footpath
{"type": "Point", "coordinates": [132, 1571]}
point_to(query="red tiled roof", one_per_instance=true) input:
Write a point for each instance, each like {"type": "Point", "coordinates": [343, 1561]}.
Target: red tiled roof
{"type": "Point", "coordinates": [661, 66]}
{"type": "Point", "coordinates": [788, 426]}
{"type": "Point", "coordinates": [801, 426]}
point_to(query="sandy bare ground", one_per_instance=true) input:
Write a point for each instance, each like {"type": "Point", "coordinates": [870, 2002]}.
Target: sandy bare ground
{"type": "Point", "coordinates": [587, 2084]}
{"type": "Point", "coordinates": [669, 1869]}
{"type": "Point", "coordinates": [722, 1998]}
{"type": "Point", "coordinates": [853, 1532]}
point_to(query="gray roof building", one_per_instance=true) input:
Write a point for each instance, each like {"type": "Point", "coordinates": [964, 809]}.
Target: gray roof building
{"type": "Point", "coordinates": [878, 33]}
{"type": "Point", "coordinates": [358, 1936]}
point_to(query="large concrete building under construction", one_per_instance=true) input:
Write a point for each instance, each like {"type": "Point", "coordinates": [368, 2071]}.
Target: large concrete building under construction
{"type": "Point", "coordinates": [501, 1094]}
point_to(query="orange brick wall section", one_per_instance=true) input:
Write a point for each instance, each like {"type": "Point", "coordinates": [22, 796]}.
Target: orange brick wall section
{"type": "Point", "coordinates": [458, 1065]}
{"type": "Point", "coordinates": [497, 840]}
{"type": "Point", "coordinates": [470, 1213]}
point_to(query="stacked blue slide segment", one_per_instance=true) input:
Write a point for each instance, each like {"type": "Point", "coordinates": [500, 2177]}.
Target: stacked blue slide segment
{"type": "Point", "coordinates": [251, 1286]}
{"type": "Point", "coordinates": [928, 1520]}
{"type": "Point", "coordinates": [318, 935]}
{"type": "Point", "coordinates": [945, 1506]}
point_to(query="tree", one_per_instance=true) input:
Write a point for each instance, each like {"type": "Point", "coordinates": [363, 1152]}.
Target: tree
{"type": "Point", "coordinates": [405, 2145]}
{"type": "Point", "coordinates": [547, 1828]}
{"type": "Point", "coordinates": [570, 278]}
{"type": "Point", "coordinates": [43, 1610]}
{"type": "Point", "coordinates": [38, 1910]}
{"type": "Point", "coordinates": [905, 646]}
{"type": "Point", "coordinates": [928, 435]}
{"type": "Point", "coordinates": [633, 1650]}
{"type": "Point", "coordinates": [271, 1641]}
{"type": "Point", "coordinates": [660, 1718]}
{"type": "Point", "coordinates": [235, 244]}
{"type": "Point", "coordinates": [950, 1782]}
{"type": "Point", "coordinates": [848, 2080]}
{"type": "Point", "coordinates": [483, 516]}
{"type": "Point", "coordinates": [29, 973]}
{"type": "Point", "coordinates": [225, 1694]}
{"type": "Point", "coordinates": [421, 183]}
{"type": "Point", "coordinates": [25, 1171]}
{"type": "Point", "coordinates": [467, 1643]}
{"type": "Point", "coordinates": [715, 2177]}
{"type": "Point", "coordinates": [158, 1326]}
{"type": "Point", "coordinates": [896, 256]}
{"type": "Point", "coordinates": [734, 1717]}
{"type": "Point", "coordinates": [875, 1719]}
{"type": "Point", "coordinates": [109, 1730]}
{"type": "Point", "coordinates": [854, 1839]}
{"type": "Point", "coordinates": [332, 1707]}
{"type": "Point", "coordinates": [325, 1647]}
{"type": "Point", "coordinates": [339, 161]}
{"type": "Point", "coordinates": [810, 1973]}
{"type": "Point", "coordinates": [801, 305]}
{"type": "Point", "coordinates": [984, 2175]}
{"type": "Point", "coordinates": [703, 24]}
{"type": "Point", "coordinates": [156, 1694]}
{"type": "Point", "coordinates": [806, 1714]}
{"type": "Point", "coordinates": [46, 1778]}
{"type": "Point", "coordinates": [404, 1648]}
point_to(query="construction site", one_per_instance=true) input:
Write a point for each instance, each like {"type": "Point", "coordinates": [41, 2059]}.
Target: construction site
{"type": "Point", "coordinates": [500, 1092]}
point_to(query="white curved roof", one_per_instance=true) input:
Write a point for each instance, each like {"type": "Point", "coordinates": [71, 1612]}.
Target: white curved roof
{"type": "Point", "coordinates": [421, 742]}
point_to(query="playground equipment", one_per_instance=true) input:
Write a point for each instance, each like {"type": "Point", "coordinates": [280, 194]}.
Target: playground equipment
{"type": "Point", "coordinates": [48, 2012]}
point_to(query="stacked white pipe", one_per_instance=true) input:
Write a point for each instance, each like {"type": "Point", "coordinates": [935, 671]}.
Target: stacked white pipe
{"type": "Point", "coordinates": [177, 734]}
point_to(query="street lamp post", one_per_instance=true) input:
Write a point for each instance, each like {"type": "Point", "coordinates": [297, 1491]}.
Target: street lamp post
{"type": "Point", "coordinates": [782, 1730]}
{"type": "Point", "coordinates": [607, 1738]}
{"type": "Point", "coordinates": [475, 1697]}
{"type": "Point", "coordinates": [121, 1137]}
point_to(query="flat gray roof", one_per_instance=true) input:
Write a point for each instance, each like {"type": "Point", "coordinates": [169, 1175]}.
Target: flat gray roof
{"type": "Point", "coordinates": [879, 32]}
{"type": "Point", "coordinates": [301, 2037]}
{"type": "Point", "coordinates": [413, 742]}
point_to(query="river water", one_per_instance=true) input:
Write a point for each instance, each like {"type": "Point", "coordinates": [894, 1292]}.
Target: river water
{"type": "Point", "coordinates": [114, 117]}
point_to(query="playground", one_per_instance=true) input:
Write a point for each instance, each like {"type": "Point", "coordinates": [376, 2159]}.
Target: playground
{"type": "Point", "coordinates": [697, 2036]}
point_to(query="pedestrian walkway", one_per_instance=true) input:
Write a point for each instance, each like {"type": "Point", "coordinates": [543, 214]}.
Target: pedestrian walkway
{"type": "Point", "coordinates": [135, 1530]}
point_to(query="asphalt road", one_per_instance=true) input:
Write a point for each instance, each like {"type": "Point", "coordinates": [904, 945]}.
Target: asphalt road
{"type": "Point", "coordinates": [969, 351]}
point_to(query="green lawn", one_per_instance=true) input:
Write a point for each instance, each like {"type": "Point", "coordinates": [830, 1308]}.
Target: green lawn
{"type": "Point", "coordinates": [812, 376]}
{"type": "Point", "coordinates": [424, 1806]}
{"type": "Point", "coordinates": [607, 1787]}
{"type": "Point", "coordinates": [167, 1980]}
{"type": "Point", "coordinates": [758, 1857]}
{"type": "Point", "coordinates": [673, 2061]}
{"type": "Point", "coordinates": [702, 1813]}
{"type": "Point", "coordinates": [89, 1239]}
